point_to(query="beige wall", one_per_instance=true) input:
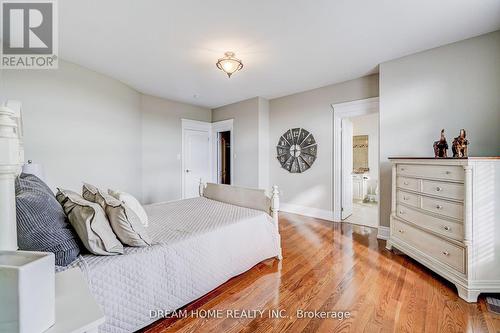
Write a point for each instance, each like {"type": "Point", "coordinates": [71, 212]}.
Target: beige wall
{"type": "Point", "coordinates": [162, 146]}
{"type": "Point", "coordinates": [452, 87]}
{"type": "Point", "coordinates": [312, 111]}
{"type": "Point", "coordinates": [84, 126]}
{"type": "Point", "coordinates": [79, 125]}
{"type": "Point", "coordinates": [263, 144]}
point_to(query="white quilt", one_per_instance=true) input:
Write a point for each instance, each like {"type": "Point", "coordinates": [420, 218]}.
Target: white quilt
{"type": "Point", "coordinates": [200, 244]}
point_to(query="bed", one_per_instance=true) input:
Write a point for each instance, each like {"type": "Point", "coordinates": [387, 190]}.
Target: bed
{"type": "Point", "coordinates": [199, 244]}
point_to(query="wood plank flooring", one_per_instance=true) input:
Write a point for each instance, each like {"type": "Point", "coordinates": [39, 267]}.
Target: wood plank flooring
{"type": "Point", "coordinates": [335, 267]}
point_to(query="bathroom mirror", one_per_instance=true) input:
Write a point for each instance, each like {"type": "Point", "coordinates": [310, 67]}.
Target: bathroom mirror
{"type": "Point", "coordinates": [360, 153]}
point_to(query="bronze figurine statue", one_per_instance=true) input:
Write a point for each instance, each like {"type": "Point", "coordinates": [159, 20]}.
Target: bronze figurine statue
{"type": "Point", "coordinates": [459, 146]}
{"type": "Point", "coordinates": [441, 146]}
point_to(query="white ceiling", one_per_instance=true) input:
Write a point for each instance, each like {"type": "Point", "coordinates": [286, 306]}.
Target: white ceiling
{"type": "Point", "coordinates": [169, 48]}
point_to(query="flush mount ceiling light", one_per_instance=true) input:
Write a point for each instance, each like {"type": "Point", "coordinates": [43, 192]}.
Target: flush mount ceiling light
{"type": "Point", "coordinates": [229, 64]}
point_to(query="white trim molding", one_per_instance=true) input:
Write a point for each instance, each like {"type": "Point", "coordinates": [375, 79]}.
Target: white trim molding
{"type": "Point", "coordinates": [345, 110]}
{"type": "Point", "coordinates": [383, 232]}
{"type": "Point", "coordinates": [307, 211]}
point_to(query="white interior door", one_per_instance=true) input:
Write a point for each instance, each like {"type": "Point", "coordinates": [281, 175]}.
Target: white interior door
{"type": "Point", "coordinates": [346, 168]}
{"type": "Point", "coordinates": [196, 161]}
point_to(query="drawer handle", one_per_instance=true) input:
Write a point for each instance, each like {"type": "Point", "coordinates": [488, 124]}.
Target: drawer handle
{"type": "Point", "coordinates": [447, 172]}
{"type": "Point", "coordinates": [401, 231]}
{"type": "Point", "coordinates": [405, 182]}
{"type": "Point", "coordinates": [446, 228]}
{"type": "Point", "coordinates": [405, 198]}
{"type": "Point", "coordinates": [401, 212]}
{"type": "Point", "coordinates": [438, 189]}
{"type": "Point", "coordinates": [403, 169]}
{"type": "Point", "coordinates": [439, 207]}
{"type": "Point", "coordinates": [446, 253]}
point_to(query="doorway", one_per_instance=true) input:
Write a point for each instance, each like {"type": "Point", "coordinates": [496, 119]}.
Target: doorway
{"type": "Point", "coordinates": [223, 157]}
{"type": "Point", "coordinates": [223, 152]}
{"type": "Point", "coordinates": [363, 148]}
{"type": "Point", "coordinates": [356, 162]}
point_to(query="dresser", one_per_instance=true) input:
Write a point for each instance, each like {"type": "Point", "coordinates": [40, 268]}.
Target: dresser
{"type": "Point", "coordinates": [445, 214]}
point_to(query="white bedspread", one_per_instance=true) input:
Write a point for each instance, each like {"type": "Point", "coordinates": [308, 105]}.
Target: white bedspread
{"type": "Point", "coordinates": [201, 244]}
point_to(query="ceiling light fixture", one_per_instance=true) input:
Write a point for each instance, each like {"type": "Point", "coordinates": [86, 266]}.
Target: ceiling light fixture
{"type": "Point", "coordinates": [229, 64]}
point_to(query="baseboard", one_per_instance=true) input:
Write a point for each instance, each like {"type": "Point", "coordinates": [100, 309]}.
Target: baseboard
{"type": "Point", "coordinates": [383, 232]}
{"type": "Point", "coordinates": [307, 211]}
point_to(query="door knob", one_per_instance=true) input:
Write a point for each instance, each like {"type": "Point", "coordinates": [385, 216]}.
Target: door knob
{"type": "Point", "coordinates": [187, 170]}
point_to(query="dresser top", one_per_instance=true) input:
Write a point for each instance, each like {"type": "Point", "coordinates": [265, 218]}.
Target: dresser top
{"type": "Point", "coordinates": [445, 158]}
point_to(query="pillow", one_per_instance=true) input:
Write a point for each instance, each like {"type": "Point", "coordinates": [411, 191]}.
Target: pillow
{"type": "Point", "coordinates": [125, 223]}
{"type": "Point", "coordinates": [41, 222]}
{"type": "Point", "coordinates": [132, 203]}
{"type": "Point", "coordinates": [90, 223]}
{"type": "Point", "coordinates": [90, 193]}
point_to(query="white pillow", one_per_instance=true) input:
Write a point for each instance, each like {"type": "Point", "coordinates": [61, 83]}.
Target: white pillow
{"type": "Point", "coordinates": [132, 203]}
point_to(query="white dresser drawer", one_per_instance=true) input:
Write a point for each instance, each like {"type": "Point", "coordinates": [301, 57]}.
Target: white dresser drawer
{"type": "Point", "coordinates": [442, 207]}
{"type": "Point", "coordinates": [433, 246]}
{"type": "Point", "coordinates": [445, 172]}
{"type": "Point", "coordinates": [432, 223]}
{"type": "Point", "coordinates": [408, 183]}
{"type": "Point", "coordinates": [408, 198]}
{"type": "Point", "coordinates": [445, 190]}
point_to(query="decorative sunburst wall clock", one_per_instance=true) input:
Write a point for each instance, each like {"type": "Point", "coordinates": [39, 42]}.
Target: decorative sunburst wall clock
{"type": "Point", "coordinates": [296, 150]}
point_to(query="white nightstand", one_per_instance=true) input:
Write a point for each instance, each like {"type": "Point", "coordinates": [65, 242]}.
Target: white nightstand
{"type": "Point", "coordinates": [76, 309]}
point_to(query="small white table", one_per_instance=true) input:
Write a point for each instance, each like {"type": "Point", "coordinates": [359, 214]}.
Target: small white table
{"type": "Point", "coordinates": [76, 309]}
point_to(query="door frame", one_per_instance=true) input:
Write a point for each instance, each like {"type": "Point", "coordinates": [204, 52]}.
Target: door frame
{"type": "Point", "coordinates": [346, 154]}
{"type": "Point", "coordinates": [195, 125]}
{"type": "Point", "coordinates": [347, 110]}
{"type": "Point", "coordinates": [217, 127]}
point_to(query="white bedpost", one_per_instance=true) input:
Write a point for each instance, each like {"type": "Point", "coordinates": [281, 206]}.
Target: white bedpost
{"type": "Point", "coordinates": [201, 187]}
{"type": "Point", "coordinates": [275, 203]}
{"type": "Point", "coordinates": [10, 166]}
{"type": "Point", "coordinates": [275, 208]}
{"type": "Point", "coordinates": [16, 107]}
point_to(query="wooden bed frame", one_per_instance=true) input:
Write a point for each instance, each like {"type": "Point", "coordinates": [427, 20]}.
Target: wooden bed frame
{"type": "Point", "coordinates": [12, 160]}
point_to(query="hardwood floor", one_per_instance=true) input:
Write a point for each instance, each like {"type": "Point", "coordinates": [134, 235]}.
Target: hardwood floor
{"type": "Point", "coordinates": [335, 267]}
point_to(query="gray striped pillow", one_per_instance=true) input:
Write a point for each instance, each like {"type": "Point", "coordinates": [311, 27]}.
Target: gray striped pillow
{"type": "Point", "coordinates": [41, 222]}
